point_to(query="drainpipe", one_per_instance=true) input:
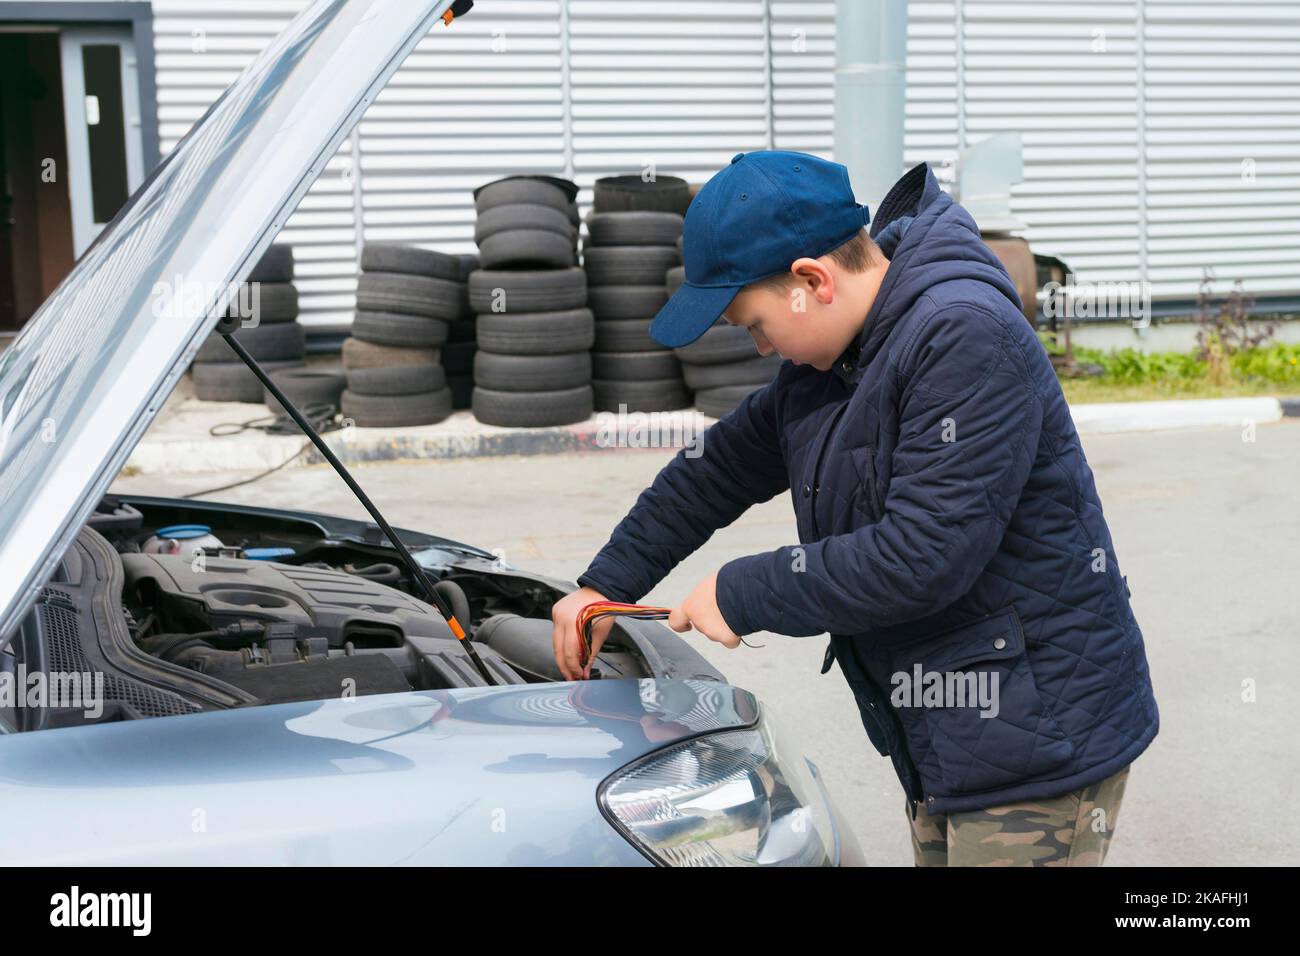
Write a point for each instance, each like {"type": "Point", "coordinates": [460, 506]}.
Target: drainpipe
{"type": "Point", "coordinates": [870, 90]}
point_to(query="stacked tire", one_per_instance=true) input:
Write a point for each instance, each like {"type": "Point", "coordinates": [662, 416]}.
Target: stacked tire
{"type": "Point", "coordinates": [459, 349]}
{"type": "Point", "coordinates": [408, 299]}
{"type": "Point", "coordinates": [273, 336]}
{"type": "Point", "coordinates": [625, 258]}
{"type": "Point", "coordinates": [722, 366]}
{"type": "Point", "coordinates": [533, 330]}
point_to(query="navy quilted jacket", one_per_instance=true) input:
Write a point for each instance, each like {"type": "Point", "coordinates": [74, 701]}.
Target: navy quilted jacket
{"type": "Point", "coordinates": [949, 523]}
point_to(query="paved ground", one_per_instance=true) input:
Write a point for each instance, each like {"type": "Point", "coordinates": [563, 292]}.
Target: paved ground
{"type": "Point", "coordinates": [1205, 525]}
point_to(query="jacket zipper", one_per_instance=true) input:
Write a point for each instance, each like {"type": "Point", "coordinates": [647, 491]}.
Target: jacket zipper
{"type": "Point", "coordinates": [914, 778]}
{"type": "Point", "coordinates": [817, 470]}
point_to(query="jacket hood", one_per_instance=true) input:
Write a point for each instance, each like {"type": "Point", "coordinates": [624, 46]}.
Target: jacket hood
{"type": "Point", "coordinates": [928, 240]}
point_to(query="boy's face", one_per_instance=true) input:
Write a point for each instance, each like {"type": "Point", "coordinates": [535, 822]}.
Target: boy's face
{"type": "Point", "coordinates": [814, 320]}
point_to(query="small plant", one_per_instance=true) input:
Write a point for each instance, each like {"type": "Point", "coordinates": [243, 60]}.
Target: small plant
{"type": "Point", "coordinates": [1225, 328]}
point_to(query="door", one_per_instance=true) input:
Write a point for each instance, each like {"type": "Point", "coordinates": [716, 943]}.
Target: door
{"type": "Point", "coordinates": [102, 107]}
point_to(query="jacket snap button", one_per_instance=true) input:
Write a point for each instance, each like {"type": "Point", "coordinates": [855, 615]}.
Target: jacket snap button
{"type": "Point", "coordinates": [929, 799]}
{"type": "Point", "coordinates": [1000, 643]}
{"type": "Point", "coordinates": [807, 490]}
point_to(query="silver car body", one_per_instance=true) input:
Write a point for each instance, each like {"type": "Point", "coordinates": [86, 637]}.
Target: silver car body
{"type": "Point", "coordinates": [490, 775]}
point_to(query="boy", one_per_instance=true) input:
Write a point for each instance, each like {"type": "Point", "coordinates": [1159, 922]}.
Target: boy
{"type": "Point", "coordinates": [952, 541]}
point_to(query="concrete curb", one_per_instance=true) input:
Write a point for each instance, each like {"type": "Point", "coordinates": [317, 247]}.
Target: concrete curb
{"type": "Point", "coordinates": [182, 444]}
{"type": "Point", "coordinates": [1109, 417]}
{"type": "Point", "coordinates": [178, 449]}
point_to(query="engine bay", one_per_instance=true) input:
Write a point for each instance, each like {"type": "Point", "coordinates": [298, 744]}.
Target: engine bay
{"type": "Point", "coordinates": [250, 609]}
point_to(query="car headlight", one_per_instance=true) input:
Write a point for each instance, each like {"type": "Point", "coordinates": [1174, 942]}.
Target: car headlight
{"type": "Point", "coordinates": [725, 799]}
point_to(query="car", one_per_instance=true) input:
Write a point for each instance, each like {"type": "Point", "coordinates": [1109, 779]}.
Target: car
{"type": "Point", "coordinates": [198, 683]}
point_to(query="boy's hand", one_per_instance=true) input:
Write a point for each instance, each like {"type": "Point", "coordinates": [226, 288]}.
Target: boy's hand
{"type": "Point", "coordinates": [566, 640]}
{"type": "Point", "coordinates": [700, 611]}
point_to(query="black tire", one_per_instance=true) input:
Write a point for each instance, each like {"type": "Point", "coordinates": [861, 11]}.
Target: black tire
{"type": "Point", "coordinates": [675, 278]}
{"type": "Point", "coordinates": [723, 342]}
{"type": "Point", "coordinates": [614, 302]}
{"type": "Point", "coordinates": [463, 330]}
{"type": "Point", "coordinates": [532, 409]}
{"type": "Point", "coordinates": [531, 373]}
{"type": "Point", "coordinates": [633, 229]}
{"type": "Point", "coordinates": [629, 265]}
{"type": "Point", "coordinates": [232, 382]}
{"type": "Point", "coordinates": [541, 290]}
{"type": "Point", "coordinates": [635, 366]}
{"type": "Point", "coordinates": [468, 263]}
{"type": "Point", "coordinates": [306, 386]}
{"type": "Point", "coordinates": [663, 395]}
{"type": "Point", "coordinates": [359, 354]}
{"type": "Point", "coordinates": [526, 247]}
{"type": "Point", "coordinates": [514, 190]}
{"type": "Point", "coordinates": [462, 390]}
{"type": "Point", "coordinates": [396, 411]}
{"type": "Point", "coordinates": [631, 193]}
{"type": "Point", "coordinates": [625, 335]}
{"type": "Point", "coordinates": [523, 216]}
{"type": "Point", "coordinates": [276, 265]}
{"type": "Point", "coordinates": [278, 342]}
{"type": "Point", "coordinates": [401, 331]}
{"type": "Point", "coordinates": [537, 333]}
{"type": "Point", "coordinates": [754, 372]}
{"type": "Point", "coordinates": [716, 402]}
{"type": "Point", "coordinates": [411, 295]}
{"type": "Point", "coordinates": [401, 259]}
{"type": "Point", "coordinates": [403, 380]}
{"type": "Point", "coordinates": [458, 357]}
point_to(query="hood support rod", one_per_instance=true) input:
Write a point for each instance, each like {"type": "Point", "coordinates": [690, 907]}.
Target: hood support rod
{"type": "Point", "coordinates": [417, 572]}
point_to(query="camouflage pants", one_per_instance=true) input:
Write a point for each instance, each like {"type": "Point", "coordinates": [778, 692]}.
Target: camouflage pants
{"type": "Point", "coordinates": [1073, 829]}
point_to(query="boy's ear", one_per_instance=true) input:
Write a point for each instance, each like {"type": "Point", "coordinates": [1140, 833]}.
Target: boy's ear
{"type": "Point", "coordinates": [814, 274]}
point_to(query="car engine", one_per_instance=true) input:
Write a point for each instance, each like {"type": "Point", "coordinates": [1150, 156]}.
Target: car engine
{"type": "Point", "coordinates": [214, 628]}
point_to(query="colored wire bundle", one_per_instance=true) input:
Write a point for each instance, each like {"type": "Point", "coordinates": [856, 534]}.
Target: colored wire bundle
{"type": "Point", "coordinates": [597, 610]}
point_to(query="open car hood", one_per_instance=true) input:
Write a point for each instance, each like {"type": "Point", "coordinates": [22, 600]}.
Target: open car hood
{"type": "Point", "coordinates": [82, 383]}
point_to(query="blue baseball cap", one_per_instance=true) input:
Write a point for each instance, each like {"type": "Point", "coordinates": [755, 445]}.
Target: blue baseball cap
{"type": "Point", "coordinates": [750, 221]}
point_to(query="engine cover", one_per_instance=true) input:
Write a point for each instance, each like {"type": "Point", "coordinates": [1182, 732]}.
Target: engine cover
{"type": "Point", "coordinates": [340, 606]}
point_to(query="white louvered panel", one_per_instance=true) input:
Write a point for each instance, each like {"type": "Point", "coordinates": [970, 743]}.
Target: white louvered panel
{"type": "Point", "coordinates": [680, 85]}
{"type": "Point", "coordinates": [931, 120]}
{"type": "Point", "coordinates": [683, 85]}
{"type": "Point", "coordinates": [201, 46]}
{"type": "Point", "coordinates": [1223, 145]}
{"type": "Point", "coordinates": [475, 101]}
{"type": "Point", "coordinates": [803, 65]}
{"type": "Point", "coordinates": [1063, 75]}
{"type": "Point", "coordinates": [803, 75]}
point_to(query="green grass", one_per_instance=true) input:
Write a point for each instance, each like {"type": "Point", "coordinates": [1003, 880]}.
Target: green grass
{"type": "Point", "coordinates": [1133, 376]}
{"type": "Point", "coordinates": [1082, 391]}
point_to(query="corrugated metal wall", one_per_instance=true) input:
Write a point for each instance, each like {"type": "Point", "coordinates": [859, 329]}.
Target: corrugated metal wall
{"type": "Point", "coordinates": [1160, 136]}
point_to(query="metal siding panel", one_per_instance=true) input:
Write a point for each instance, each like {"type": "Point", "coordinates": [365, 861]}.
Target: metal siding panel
{"type": "Point", "coordinates": [1223, 128]}
{"type": "Point", "coordinates": [679, 87]}
{"type": "Point", "coordinates": [200, 47]}
{"type": "Point", "coordinates": [683, 86]}
{"type": "Point", "coordinates": [473, 103]}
